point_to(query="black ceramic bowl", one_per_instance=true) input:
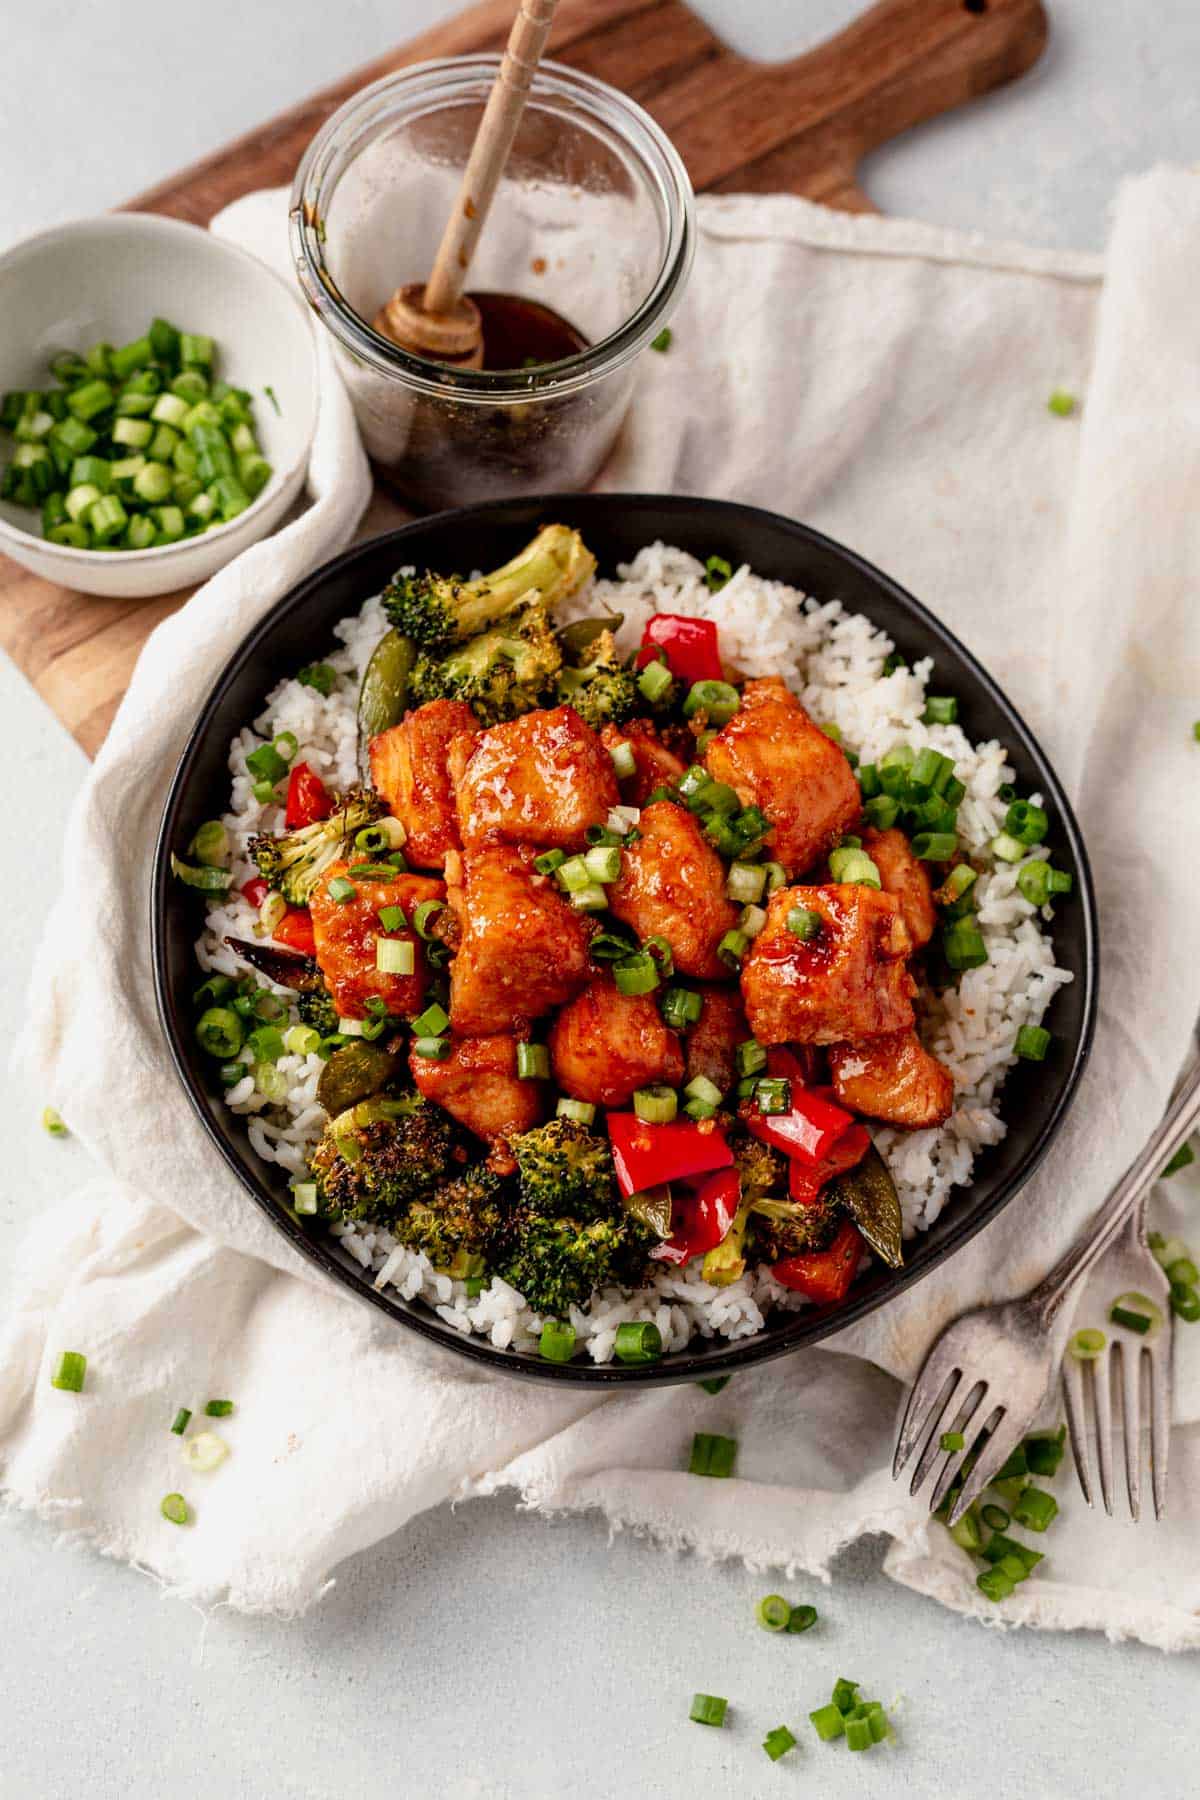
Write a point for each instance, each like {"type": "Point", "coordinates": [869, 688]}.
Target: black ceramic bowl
{"type": "Point", "coordinates": [615, 526]}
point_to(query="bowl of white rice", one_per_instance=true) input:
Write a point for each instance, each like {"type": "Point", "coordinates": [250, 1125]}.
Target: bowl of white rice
{"type": "Point", "coordinates": [863, 656]}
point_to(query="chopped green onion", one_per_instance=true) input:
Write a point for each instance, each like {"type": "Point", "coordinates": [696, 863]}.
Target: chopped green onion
{"type": "Point", "coordinates": [1136, 1312]}
{"type": "Point", "coordinates": [603, 864]}
{"type": "Point", "coordinates": [859, 1735]}
{"type": "Point", "coordinates": [717, 571]}
{"type": "Point", "coordinates": [934, 846]}
{"type": "Point", "coordinates": [1006, 847]}
{"type": "Point", "coordinates": [342, 890]}
{"type": "Point", "coordinates": [1185, 1301]}
{"type": "Point", "coordinates": [1044, 1450]}
{"type": "Point", "coordinates": [179, 1423]}
{"type": "Point", "coordinates": [952, 1440]}
{"type": "Point", "coordinates": [701, 1088]}
{"type": "Point", "coordinates": [1035, 1509]}
{"type": "Point", "coordinates": [395, 956]}
{"type": "Point", "coordinates": [752, 921]}
{"type": "Point", "coordinates": [72, 1367]}
{"type": "Point", "coordinates": [1032, 1043]}
{"type": "Point", "coordinates": [828, 1722]}
{"type": "Point", "coordinates": [533, 1062]}
{"type": "Point", "coordinates": [369, 871]}
{"type": "Point", "coordinates": [1061, 404]}
{"type": "Point", "coordinates": [777, 1743]}
{"type": "Point", "coordinates": [994, 1517]}
{"type": "Point", "coordinates": [803, 1619]}
{"type": "Point", "coordinates": [582, 1111]}
{"type": "Point", "coordinates": [853, 867]}
{"type": "Point", "coordinates": [301, 1040]}
{"type": "Point", "coordinates": [549, 861]}
{"type": "Point", "coordinates": [264, 792]}
{"type": "Point", "coordinates": [745, 882]}
{"type": "Point", "coordinates": [204, 1452]}
{"type": "Point", "coordinates": [322, 677]}
{"type": "Point", "coordinates": [1027, 823]}
{"type": "Point", "coordinates": [266, 763]}
{"type": "Point", "coordinates": [654, 681]}
{"type": "Point", "coordinates": [52, 1121]}
{"type": "Point", "coordinates": [219, 1032]}
{"type": "Point", "coordinates": [732, 947]}
{"type": "Point", "coordinates": [995, 1584]}
{"type": "Point", "coordinates": [804, 923]}
{"type": "Point", "coordinates": [432, 1049]}
{"type": "Point", "coordinates": [1182, 1157]}
{"type": "Point", "coordinates": [966, 1532]}
{"type": "Point", "coordinates": [304, 1198]}
{"type": "Point", "coordinates": [175, 1508]}
{"type": "Point", "coordinates": [963, 945]}
{"type": "Point", "coordinates": [574, 875]}
{"type": "Point", "coordinates": [266, 1043]}
{"type": "Point", "coordinates": [557, 1342]}
{"type": "Point", "coordinates": [636, 974]}
{"type": "Point", "coordinates": [681, 1007]}
{"type": "Point", "coordinates": [591, 898]}
{"type": "Point", "coordinates": [708, 1709]}
{"type": "Point", "coordinates": [655, 1105]}
{"type": "Point", "coordinates": [711, 1454]}
{"type": "Point", "coordinates": [218, 1409]}
{"type": "Point", "coordinates": [773, 1095]}
{"type": "Point", "coordinates": [270, 1082]}
{"type": "Point", "coordinates": [662, 342]}
{"type": "Point", "coordinates": [719, 700]}
{"type": "Point", "coordinates": [773, 1612]}
{"type": "Point", "coordinates": [715, 1383]}
{"type": "Point", "coordinates": [392, 918]}
{"type": "Point", "coordinates": [623, 760]}
{"type": "Point", "coordinates": [432, 1022]}
{"type": "Point", "coordinates": [940, 709]}
{"type": "Point", "coordinates": [638, 1341]}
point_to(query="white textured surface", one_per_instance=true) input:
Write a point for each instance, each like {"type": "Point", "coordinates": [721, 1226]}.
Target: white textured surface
{"type": "Point", "coordinates": [407, 1673]}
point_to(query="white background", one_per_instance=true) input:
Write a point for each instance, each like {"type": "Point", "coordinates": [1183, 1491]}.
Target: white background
{"type": "Point", "coordinates": [482, 1654]}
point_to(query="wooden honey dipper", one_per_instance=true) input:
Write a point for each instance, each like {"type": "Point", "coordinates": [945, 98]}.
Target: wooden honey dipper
{"type": "Point", "coordinates": [435, 318]}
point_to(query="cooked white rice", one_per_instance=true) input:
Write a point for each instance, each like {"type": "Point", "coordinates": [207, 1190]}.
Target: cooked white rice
{"type": "Point", "coordinates": [836, 659]}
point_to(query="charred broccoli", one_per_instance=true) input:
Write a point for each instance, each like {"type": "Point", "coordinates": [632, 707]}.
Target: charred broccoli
{"type": "Point", "coordinates": [556, 1263]}
{"type": "Point", "coordinates": [460, 1223]}
{"type": "Point", "coordinates": [295, 862]}
{"type": "Point", "coordinates": [444, 609]}
{"type": "Point", "coordinates": [563, 1169]}
{"type": "Point", "coordinates": [603, 691]}
{"type": "Point", "coordinates": [382, 1156]}
{"type": "Point", "coordinates": [761, 1169]}
{"type": "Point", "coordinates": [782, 1228]}
{"type": "Point", "coordinates": [499, 674]}
{"type": "Point", "coordinates": [317, 1010]}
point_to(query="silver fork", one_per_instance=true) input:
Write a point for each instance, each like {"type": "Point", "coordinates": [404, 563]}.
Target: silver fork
{"type": "Point", "coordinates": [1129, 1265]}
{"type": "Point", "coordinates": [992, 1369]}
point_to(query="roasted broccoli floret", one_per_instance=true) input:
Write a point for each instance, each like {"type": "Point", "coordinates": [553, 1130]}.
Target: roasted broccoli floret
{"type": "Point", "coordinates": [563, 1169]}
{"type": "Point", "coordinates": [499, 674]}
{"type": "Point", "coordinates": [761, 1169]}
{"type": "Point", "coordinates": [317, 1010]}
{"type": "Point", "coordinates": [780, 1228]}
{"type": "Point", "coordinates": [603, 691]}
{"type": "Point", "coordinates": [295, 862]}
{"type": "Point", "coordinates": [445, 609]}
{"type": "Point", "coordinates": [556, 1263]}
{"type": "Point", "coordinates": [374, 1161]}
{"type": "Point", "coordinates": [461, 1222]}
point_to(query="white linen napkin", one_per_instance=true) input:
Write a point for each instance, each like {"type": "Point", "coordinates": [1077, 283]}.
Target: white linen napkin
{"type": "Point", "coordinates": [886, 382]}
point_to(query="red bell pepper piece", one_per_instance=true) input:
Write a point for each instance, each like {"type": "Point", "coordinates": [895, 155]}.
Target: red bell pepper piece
{"type": "Point", "coordinates": [255, 891]}
{"type": "Point", "coordinates": [644, 1156]}
{"type": "Point", "coordinates": [308, 799]}
{"type": "Point", "coordinates": [295, 929]}
{"type": "Point", "coordinates": [805, 1182]}
{"type": "Point", "coordinates": [690, 646]}
{"type": "Point", "coordinates": [701, 1215]}
{"type": "Point", "coordinates": [808, 1131]}
{"type": "Point", "coordinates": [824, 1275]}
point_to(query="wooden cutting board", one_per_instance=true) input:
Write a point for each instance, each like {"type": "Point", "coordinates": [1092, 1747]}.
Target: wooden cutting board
{"type": "Point", "coordinates": [802, 127]}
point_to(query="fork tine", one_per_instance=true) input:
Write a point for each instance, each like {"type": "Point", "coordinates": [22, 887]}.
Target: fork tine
{"type": "Point", "coordinates": [1131, 1410]}
{"type": "Point", "coordinates": [1076, 1404]}
{"type": "Point", "coordinates": [1005, 1433]}
{"type": "Point", "coordinates": [1102, 1379]}
{"type": "Point", "coordinates": [1160, 1423]}
{"type": "Point", "coordinates": [912, 1431]}
{"type": "Point", "coordinates": [933, 1445]}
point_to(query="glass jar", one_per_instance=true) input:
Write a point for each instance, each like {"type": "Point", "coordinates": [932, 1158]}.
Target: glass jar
{"type": "Point", "coordinates": [593, 218]}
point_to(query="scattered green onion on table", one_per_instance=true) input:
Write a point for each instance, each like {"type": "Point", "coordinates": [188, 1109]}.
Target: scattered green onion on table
{"type": "Point", "coordinates": [136, 447]}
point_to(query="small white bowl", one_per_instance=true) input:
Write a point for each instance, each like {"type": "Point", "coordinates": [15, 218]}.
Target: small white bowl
{"type": "Point", "coordinates": [104, 280]}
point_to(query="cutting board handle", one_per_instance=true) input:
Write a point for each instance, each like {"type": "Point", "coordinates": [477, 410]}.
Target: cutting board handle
{"type": "Point", "coordinates": [900, 63]}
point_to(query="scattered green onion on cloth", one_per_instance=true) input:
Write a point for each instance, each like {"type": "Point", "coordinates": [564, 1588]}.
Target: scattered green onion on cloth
{"type": "Point", "coordinates": [889, 388]}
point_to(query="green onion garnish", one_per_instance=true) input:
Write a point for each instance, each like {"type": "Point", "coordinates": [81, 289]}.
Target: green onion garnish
{"type": "Point", "coordinates": [584, 1113]}
{"type": "Point", "coordinates": [952, 1440]}
{"type": "Point", "coordinates": [715, 1383]}
{"type": "Point", "coordinates": [1136, 1312]}
{"type": "Point", "coordinates": [777, 1743]}
{"type": "Point", "coordinates": [638, 1340]}
{"type": "Point", "coordinates": [654, 681]}
{"type": "Point", "coordinates": [1035, 1509]}
{"type": "Point", "coordinates": [708, 1709]}
{"type": "Point", "coordinates": [712, 1455]}
{"type": "Point", "coordinates": [533, 1062]}
{"type": "Point", "coordinates": [1061, 403]}
{"type": "Point", "coordinates": [392, 918]}
{"type": "Point", "coordinates": [828, 1722]}
{"type": "Point", "coordinates": [1032, 1043]}
{"type": "Point", "coordinates": [342, 890]}
{"type": "Point", "coordinates": [319, 676]}
{"type": "Point", "coordinates": [1185, 1301]}
{"type": "Point", "coordinates": [963, 945]}
{"type": "Point", "coordinates": [179, 1423]}
{"type": "Point", "coordinates": [636, 974]}
{"type": "Point", "coordinates": [52, 1122]}
{"type": "Point", "coordinates": [1087, 1344]}
{"type": "Point", "coordinates": [803, 1619]}
{"type": "Point", "coordinates": [681, 1007]}
{"type": "Point", "coordinates": [773, 1094]}
{"type": "Point", "coordinates": [218, 1409]}
{"type": "Point", "coordinates": [395, 956]}
{"type": "Point", "coordinates": [557, 1342]}
{"type": "Point", "coordinates": [175, 1508]}
{"type": "Point", "coordinates": [431, 1049]}
{"type": "Point", "coordinates": [1044, 1450]}
{"type": "Point", "coordinates": [623, 760]}
{"type": "Point", "coordinates": [719, 700]}
{"type": "Point", "coordinates": [72, 1367]}
{"type": "Point", "coordinates": [853, 867]}
{"type": "Point", "coordinates": [219, 1032]}
{"type": "Point", "coordinates": [772, 1611]}
{"type": "Point", "coordinates": [940, 709]}
{"type": "Point", "coordinates": [662, 342]}
{"type": "Point", "coordinates": [994, 1517]}
{"type": "Point", "coordinates": [656, 1105]}
{"type": "Point", "coordinates": [1182, 1157]}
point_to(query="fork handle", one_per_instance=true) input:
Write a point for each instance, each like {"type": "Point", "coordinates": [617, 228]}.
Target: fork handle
{"type": "Point", "coordinates": [1176, 1126]}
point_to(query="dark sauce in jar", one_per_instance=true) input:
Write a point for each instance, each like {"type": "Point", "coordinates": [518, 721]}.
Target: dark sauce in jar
{"type": "Point", "coordinates": [453, 448]}
{"type": "Point", "coordinates": [520, 333]}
